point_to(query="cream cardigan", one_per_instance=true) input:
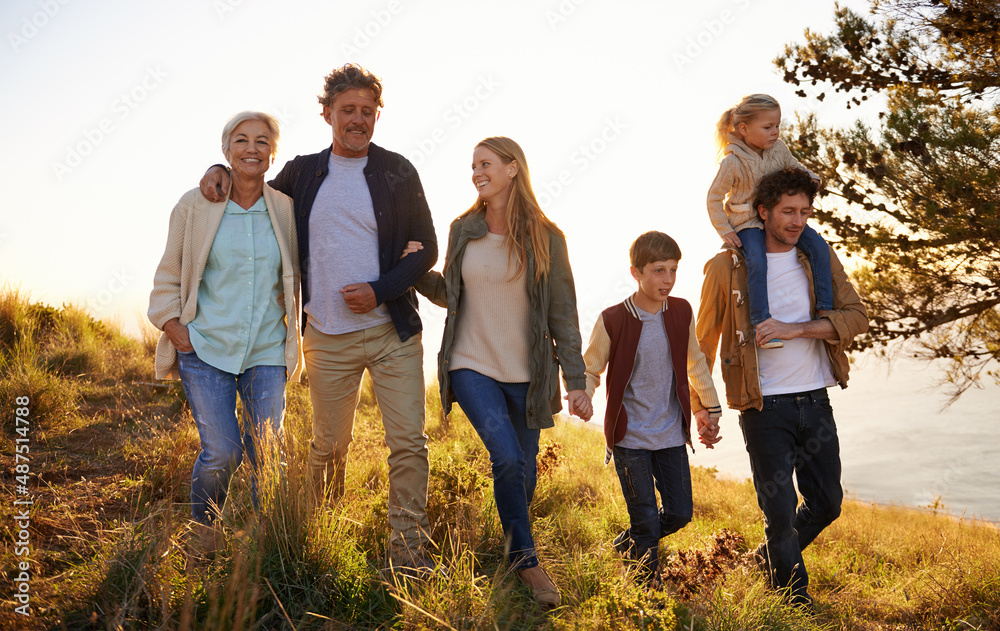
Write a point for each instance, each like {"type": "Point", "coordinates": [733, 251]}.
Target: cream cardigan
{"type": "Point", "coordinates": [193, 224]}
{"type": "Point", "coordinates": [739, 172]}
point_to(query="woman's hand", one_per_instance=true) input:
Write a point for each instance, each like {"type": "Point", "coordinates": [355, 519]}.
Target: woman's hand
{"type": "Point", "coordinates": [579, 404]}
{"type": "Point", "coordinates": [732, 240]}
{"type": "Point", "coordinates": [411, 247]}
{"type": "Point", "coordinates": [178, 334]}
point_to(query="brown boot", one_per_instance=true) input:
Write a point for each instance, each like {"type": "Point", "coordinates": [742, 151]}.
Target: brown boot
{"type": "Point", "coordinates": [543, 590]}
{"type": "Point", "coordinates": [409, 561]}
{"type": "Point", "coordinates": [211, 539]}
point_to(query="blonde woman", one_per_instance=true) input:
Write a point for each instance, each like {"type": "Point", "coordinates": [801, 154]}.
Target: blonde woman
{"type": "Point", "coordinates": [511, 325]}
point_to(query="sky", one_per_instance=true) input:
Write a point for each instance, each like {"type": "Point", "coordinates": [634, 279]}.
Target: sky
{"type": "Point", "coordinates": [113, 109]}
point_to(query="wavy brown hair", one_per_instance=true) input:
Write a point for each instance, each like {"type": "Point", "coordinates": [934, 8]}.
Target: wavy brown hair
{"type": "Point", "coordinates": [346, 77]}
{"type": "Point", "coordinates": [525, 219]}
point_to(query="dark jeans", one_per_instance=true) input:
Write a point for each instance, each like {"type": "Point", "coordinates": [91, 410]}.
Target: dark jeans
{"type": "Point", "coordinates": [794, 434]}
{"type": "Point", "coordinates": [642, 472]}
{"type": "Point", "coordinates": [498, 412]}
{"type": "Point", "coordinates": [755, 252]}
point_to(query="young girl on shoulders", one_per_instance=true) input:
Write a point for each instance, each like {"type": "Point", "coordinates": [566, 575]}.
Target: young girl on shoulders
{"type": "Point", "coordinates": [747, 138]}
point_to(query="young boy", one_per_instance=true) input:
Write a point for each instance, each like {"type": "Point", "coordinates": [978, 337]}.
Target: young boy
{"type": "Point", "coordinates": [650, 345]}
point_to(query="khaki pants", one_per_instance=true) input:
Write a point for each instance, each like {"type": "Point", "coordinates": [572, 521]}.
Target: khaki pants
{"type": "Point", "coordinates": [335, 365]}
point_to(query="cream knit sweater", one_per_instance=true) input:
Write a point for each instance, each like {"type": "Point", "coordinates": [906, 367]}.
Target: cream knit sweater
{"type": "Point", "coordinates": [193, 224]}
{"type": "Point", "coordinates": [739, 172]}
{"type": "Point", "coordinates": [492, 333]}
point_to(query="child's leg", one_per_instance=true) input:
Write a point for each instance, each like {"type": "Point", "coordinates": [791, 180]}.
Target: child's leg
{"type": "Point", "coordinates": [755, 252]}
{"type": "Point", "coordinates": [635, 474]}
{"type": "Point", "coordinates": [819, 258]}
{"type": "Point", "coordinates": [673, 480]}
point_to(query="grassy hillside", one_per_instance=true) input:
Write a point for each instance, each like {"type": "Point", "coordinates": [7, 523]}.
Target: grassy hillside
{"type": "Point", "coordinates": [110, 457]}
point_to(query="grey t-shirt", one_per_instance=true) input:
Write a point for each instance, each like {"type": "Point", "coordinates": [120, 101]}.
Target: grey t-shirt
{"type": "Point", "coordinates": [654, 413]}
{"type": "Point", "coordinates": [343, 248]}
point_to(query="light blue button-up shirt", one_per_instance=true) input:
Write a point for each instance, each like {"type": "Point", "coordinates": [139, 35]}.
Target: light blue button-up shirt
{"type": "Point", "coordinates": [240, 323]}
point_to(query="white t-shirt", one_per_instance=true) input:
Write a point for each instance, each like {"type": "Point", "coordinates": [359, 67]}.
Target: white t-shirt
{"type": "Point", "coordinates": [802, 364]}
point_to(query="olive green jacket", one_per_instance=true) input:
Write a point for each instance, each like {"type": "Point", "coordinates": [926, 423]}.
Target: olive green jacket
{"type": "Point", "coordinates": [555, 331]}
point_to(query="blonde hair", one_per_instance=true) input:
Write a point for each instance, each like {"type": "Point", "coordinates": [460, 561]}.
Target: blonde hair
{"type": "Point", "coordinates": [743, 112]}
{"type": "Point", "coordinates": [525, 219]}
{"type": "Point", "coordinates": [234, 122]}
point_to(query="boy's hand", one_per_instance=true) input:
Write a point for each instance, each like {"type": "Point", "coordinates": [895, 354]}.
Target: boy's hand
{"type": "Point", "coordinates": [579, 404]}
{"type": "Point", "coordinates": [708, 429]}
{"type": "Point", "coordinates": [731, 239]}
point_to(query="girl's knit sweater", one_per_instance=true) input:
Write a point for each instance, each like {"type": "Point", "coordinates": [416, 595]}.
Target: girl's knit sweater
{"type": "Point", "coordinates": [739, 172]}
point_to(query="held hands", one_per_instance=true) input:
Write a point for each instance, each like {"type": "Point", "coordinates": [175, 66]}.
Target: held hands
{"type": "Point", "coordinates": [360, 297]}
{"type": "Point", "coordinates": [178, 334]}
{"type": "Point", "coordinates": [708, 429]}
{"type": "Point", "coordinates": [732, 240]}
{"type": "Point", "coordinates": [579, 404]}
{"type": "Point", "coordinates": [215, 184]}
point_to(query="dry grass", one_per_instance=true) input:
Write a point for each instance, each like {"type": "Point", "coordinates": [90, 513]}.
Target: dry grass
{"type": "Point", "coordinates": [111, 541]}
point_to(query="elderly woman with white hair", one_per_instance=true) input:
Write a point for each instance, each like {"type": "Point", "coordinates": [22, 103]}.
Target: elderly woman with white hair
{"type": "Point", "coordinates": [226, 296]}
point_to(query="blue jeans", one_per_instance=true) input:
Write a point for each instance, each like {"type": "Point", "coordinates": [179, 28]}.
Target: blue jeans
{"type": "Point", "coordinates": [211, 393]}
{"type": "Point", "coordinates": [498, 412]}
{"type": "Point", "coordinates": [755, 252]}
{"type": "Point", "coordinates": [642, 472]}
{"type": "Point", "coordinates": [794, 434]}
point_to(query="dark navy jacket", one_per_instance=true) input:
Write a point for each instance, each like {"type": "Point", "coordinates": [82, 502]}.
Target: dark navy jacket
{"type": "Point", "coordinates": [401, 214]}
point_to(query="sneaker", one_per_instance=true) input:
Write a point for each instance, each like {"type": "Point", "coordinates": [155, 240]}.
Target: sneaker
{"type": "Point", "coordinates": [803, 602]}
{"type": "Point", "coordinates": [623, 544]}
{"type": "Point", "coordinates": [757, 559]}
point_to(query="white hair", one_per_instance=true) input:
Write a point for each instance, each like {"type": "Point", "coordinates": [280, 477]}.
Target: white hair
{"type": "Point", "coordinates": [234, 122]}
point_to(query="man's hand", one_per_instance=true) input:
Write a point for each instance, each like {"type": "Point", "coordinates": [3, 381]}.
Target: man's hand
{"type": "Point", "coordinates": [215, 184]}
{"type": "Point", "coordinates": [774, 329]}
{"type": "Point", "coordinates": [360, 297]}
{"type": "Point", "coordinates": [731, 239]}
{"type": "Point", "coordinates": [821, 329]}
{"type": "Point", "coordinates": [708, 429]}
{"type": "Point", "coordinates": [178, 334]}
{"type": "Point", "coordinates": [579, 404]}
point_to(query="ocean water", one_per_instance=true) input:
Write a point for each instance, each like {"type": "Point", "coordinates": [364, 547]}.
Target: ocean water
{"type": "Point", "coordinates": [899, 444]}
